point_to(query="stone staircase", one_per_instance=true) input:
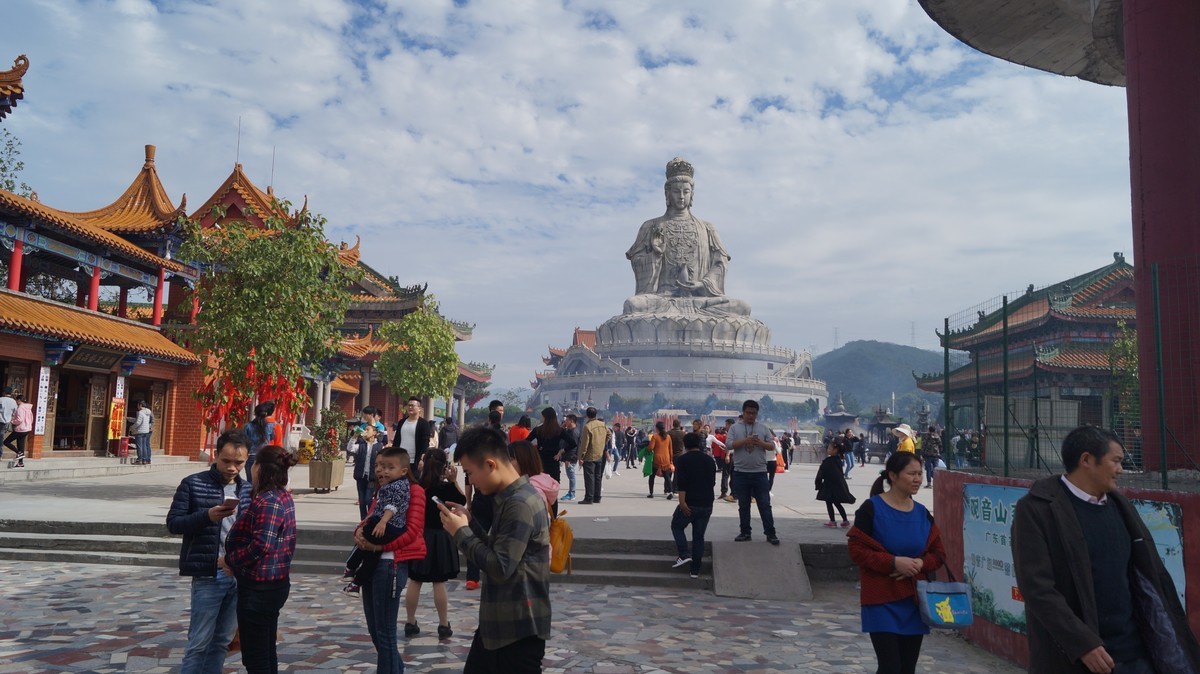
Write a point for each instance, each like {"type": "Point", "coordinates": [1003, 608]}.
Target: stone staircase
{"type": "Point", "coordinates": [77, 467]}
{"type": "Point", "coordinates": [323, 551]}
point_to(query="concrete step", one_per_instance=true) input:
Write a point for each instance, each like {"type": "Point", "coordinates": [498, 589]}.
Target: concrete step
{"type": "Point", "coordinates": [92, 543]}
{"type": "Point", "coordinates": [37, 470]}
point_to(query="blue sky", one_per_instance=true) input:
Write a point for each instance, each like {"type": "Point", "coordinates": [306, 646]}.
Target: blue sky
{"type": "Point", "coordinates": [864, 170]}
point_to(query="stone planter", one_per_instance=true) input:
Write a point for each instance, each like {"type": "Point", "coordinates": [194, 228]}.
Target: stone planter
{"type": "Point", "coordinates": [325, 476]}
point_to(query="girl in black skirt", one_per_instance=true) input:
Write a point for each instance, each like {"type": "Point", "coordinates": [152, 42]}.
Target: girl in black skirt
{"type": "Point", "coordinates": [441, 556]}
{"type": "Point", "coordinates": [831, 485]}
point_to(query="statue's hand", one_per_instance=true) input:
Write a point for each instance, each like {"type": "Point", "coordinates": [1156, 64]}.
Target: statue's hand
{"type": "Point", "coordinates": [689, 285]}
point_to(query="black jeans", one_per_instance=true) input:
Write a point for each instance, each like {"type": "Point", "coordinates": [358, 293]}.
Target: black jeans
{"type": "Point", "coordinates": [19, 436]}
{"type": "Point", "coordinates": [365, 492]}
{"type": "Point", "coordinates": [897, 653]}
{"type": "Point", "coordinates": [520, 657]}
{"type": "Point", "coordinates": [666, 482]}
{"type": "Point", "coordinates": [593, 478]}
{"type": "Point", "coordinates": [258, 608]}
{"type": "Point", "coordinates": [699, 521]}
{"type": "Point", "coordinates": [829, 505]}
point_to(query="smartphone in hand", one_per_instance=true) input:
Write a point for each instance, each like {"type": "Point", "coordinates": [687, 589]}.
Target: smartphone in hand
{"type": "Point", "coordinates": [438, 501]}
{"type": "Point", "coordinates": [230, 502]}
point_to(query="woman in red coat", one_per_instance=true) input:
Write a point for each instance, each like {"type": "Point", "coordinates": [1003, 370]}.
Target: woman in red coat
{"type": "Point", "coordinates": [894, 541]}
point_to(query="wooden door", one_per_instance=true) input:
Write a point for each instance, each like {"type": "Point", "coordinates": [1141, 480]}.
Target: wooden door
{"type": "Point", "coordinates": [158, 398]}
{"type": "Point", "coordinates": [51, 410]}
{"type": "Point", "coordinates": [96, 429]}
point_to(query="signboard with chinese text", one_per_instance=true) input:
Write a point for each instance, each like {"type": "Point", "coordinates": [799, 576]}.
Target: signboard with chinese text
{"type": "Point", "coordinates": [987, 549]}
{"type": "Point", "coordinates": [43, 394]}
{"type": "Point", "coordinates": [92, 359]}
{"type": "Point", "coordinates": [987, 554]}
{"type": "Point", "coordinates": [116, 419]}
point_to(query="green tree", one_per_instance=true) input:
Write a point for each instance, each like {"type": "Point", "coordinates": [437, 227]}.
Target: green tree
{"type": "Point", "coordinates": [420, 359]}
{"type": "Point", "coordinates": [11, 165]}
{"type": "Point", "coordinates": [272, 300]}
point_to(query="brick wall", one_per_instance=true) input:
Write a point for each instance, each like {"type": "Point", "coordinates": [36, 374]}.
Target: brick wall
{"type": "Point", "coordinates": [185, 430]}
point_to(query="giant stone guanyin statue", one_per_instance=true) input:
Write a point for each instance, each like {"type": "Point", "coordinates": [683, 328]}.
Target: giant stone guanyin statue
{"type": "Point", "coordinates": [678, 260]}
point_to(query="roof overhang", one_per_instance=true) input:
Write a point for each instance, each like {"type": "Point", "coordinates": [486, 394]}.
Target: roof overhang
{"type": "Point", "coordinates": [1076, 38]}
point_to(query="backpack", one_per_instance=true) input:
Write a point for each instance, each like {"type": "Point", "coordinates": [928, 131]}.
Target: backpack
{"type": "Point", "coordinates": [561, 538]}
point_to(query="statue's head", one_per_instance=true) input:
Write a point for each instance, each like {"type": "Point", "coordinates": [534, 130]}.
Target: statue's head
{"type": "Point", "coordinates": [679, 185]}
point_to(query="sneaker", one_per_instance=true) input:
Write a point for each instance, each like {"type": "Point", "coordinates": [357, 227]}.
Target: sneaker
{"type": "Point", "coordinates": [568, 497]}
{"type": "Point", "coordinates": [615, 473]}
{"type": "Point", "coordinates": [348, 574]}
{"type": "Point", "coordinates": [352, 590]}
{"type": "Point", "coordinates": [670, 497]}
{"type": "Point", "coordinates": [444, 631]}
{"type": "Point", "coordinates": [411, 630]}
{"type": "Point", "coordinates": [845, 523]}
{"type": "Point", "coordinates": [730, 499]}
{"type": "Point", "coordinates": [472, 585]}
{"type": "Point", "coordinates": [585, 502]}
{"type": "Point", "coordinates": [695, 575]}
{"type": "Point", "coordinates": [680, 561]}
{"type": "Point", "coordinates": [773, 540]}
{"type": "Point", "coordinates": [830, 523]}
{"type": "Point", "coordinates": [649, 495]}
{"type": "Point", "coordinates": [742, 538]}
{"type": "Point", "coordinates": [787, 470]}
{"type": "Point", "coordinates": [20, 463]}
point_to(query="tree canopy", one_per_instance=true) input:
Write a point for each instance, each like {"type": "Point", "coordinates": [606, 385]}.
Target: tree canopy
{"type": "Point", "coordinates": [420, 360]}
{"type": "Point", "coordinates": [271, 302]}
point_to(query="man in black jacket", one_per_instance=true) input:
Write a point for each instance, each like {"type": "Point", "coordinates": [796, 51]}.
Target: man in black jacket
{"type": "Point", "coordinates": [1097, 596]}
{"type": "Point", "coordinates": [203, 510]}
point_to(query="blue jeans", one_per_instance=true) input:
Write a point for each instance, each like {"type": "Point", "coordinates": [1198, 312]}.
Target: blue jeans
{"type": "Point", "coordinates": [699, 521]}
{"type": "Point", "coordinates": [570, 478]}
{"type": "Point", "coordinates": [930, 467]}
{"type": "Point", "coordinates": [214, 618]}
{"type": "Point", "coordinates": [381, 604]}
{"type": "Point", "coordinates": [747, 485]}
{"type": "Point", "coordinates": [142, 443]}
{"type": "Point", "coordinates": [365, 492]}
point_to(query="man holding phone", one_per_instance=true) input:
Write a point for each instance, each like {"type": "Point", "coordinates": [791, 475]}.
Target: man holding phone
{"type": "Point", "coordinates": [749, 441]}
{"type": "Point", "coordinates": [203, 510]}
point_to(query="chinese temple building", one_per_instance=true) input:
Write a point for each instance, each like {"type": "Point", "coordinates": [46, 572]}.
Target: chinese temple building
{"type": "Point", "coordinates": [1057, 350]}
{"type": "Point", "coordinates": [87, 295]}
{"type": "Point", "coordinates": [71, 359]}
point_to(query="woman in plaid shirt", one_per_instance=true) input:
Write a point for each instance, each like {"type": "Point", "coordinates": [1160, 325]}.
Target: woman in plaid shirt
{"type": "Point", "coordinates": [259, 553]}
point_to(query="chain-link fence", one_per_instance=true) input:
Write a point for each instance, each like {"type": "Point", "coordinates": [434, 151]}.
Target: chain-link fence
{"type": "Point", "coordinates": [1025, 368]}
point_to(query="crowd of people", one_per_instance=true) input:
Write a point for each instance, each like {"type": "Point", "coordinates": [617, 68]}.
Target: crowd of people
{"type": "Point", "coordinates": [1082, 556]}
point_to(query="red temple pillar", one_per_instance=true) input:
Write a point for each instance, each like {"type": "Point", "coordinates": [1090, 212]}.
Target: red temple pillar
{"type": "Point", "coordinates": [195, 308]}
{"type": "Point", "coordinates": [14, 265]}
{"type": "Point", "coordinates": [158, 296]}
{"type": "Point", "coordinates": [123, 303]}
{"type": "Point", "coordinates": [94, 290]}
{"type": "Point", "coordinates": [1162, 70]}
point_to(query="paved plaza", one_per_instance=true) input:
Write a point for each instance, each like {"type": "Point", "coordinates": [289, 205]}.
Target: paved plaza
{"type": "Point", "coordinates": [95, 618]}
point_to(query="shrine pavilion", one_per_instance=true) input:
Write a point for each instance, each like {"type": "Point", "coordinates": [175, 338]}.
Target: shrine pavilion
{"type": "Point", "coordinates": [1057, 352]}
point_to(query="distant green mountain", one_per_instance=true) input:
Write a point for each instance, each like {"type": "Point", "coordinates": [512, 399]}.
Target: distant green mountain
{"type": "Point", "coordinates": [869, 372]}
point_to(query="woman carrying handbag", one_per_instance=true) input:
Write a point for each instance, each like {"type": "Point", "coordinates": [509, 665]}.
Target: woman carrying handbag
{"type": "Point", "coordinates": [894, 541]}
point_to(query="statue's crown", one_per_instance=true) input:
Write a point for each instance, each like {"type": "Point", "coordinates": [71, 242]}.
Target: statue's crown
{"type": "Point", "coordinates": [679, 167]}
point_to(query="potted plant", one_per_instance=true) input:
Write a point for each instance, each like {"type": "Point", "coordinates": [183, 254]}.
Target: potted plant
{"type": "Point", "coordinates": [328, 465]}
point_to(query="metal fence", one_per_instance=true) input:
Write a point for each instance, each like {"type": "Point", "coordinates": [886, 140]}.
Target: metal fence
{"type": "Point", "coordinates": [1023, 369]}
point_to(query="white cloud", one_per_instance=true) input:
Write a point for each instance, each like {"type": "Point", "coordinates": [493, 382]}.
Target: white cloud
{"type": "Point", "coordinates": [864, 169]}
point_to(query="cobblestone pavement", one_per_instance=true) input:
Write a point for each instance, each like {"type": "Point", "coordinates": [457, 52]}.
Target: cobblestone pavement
{"type": "Point", "coordinates": [107, 619]}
